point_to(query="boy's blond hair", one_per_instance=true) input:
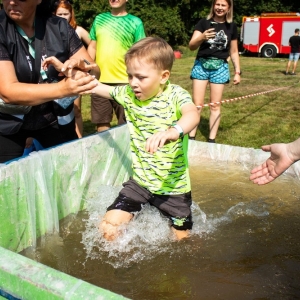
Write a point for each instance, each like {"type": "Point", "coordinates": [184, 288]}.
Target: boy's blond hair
{"type": "Point", "coordinates": [154, 50]}
{"type": "Point", "coordinates": [229, 15]}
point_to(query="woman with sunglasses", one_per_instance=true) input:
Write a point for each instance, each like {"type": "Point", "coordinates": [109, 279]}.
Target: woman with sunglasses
{"type": "Point", "coordinates": [65, 10]}
{"type": "Point", "coordinates": [29, 107]}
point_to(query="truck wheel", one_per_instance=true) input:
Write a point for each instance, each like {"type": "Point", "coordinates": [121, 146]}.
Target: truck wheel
{"type": "Point", "coordinates": [268, 51]}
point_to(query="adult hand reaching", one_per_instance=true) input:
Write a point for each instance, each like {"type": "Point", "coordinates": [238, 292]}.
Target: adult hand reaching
{"type": "Point", "coordinates": [282, 157]}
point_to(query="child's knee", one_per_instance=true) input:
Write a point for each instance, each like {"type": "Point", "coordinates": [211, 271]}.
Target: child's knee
{"type": "Point", "coordinates": [111, 222]}
{"type": "Point", "coordinates": [109, 230]}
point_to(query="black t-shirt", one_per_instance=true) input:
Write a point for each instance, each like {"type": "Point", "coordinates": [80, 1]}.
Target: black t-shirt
{"type": "Point", "coordinates": [220, 45]}
{"type": "Point", "coordinates": [295, 43]}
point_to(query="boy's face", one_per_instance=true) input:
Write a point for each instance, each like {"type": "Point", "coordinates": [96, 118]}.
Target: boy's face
{"type": "Point", "coordinates": [145, 79]}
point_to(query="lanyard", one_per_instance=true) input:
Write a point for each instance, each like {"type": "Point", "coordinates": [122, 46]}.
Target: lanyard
{"type": "Point", "coordinates": [31, 49]}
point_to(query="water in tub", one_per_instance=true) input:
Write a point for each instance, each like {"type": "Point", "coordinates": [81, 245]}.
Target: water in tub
{"type": "Point", "coordinates": [244, 243]}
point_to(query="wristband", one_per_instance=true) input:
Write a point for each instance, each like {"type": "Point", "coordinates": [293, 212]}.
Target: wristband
{"type": "Point", "coordinates": [179, 129]}
{"type": "Point", "coordinates": [238, 73]}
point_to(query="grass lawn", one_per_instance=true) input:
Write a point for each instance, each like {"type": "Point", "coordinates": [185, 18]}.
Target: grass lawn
{"type": "Point", "coordinates": [249, 122]}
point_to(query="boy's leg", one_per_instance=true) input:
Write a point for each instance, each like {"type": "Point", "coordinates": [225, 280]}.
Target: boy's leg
{"type": "Point", "coordinates": [181, 234]}
{"type": "Point", "coordinates": [130, 200]}
{"type": "Point", "coordinates": [178, 209]}
{"type": "Point", "coordinates": [111, 222]}
{"type": "Point", "coordinates": [101, 112]}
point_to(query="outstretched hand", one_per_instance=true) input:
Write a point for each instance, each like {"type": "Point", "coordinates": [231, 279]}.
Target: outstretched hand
{"type": "Point", "coordinates": [279, 161]}
{"type": "Point", "coordinates": [76, 82]}
{"type": "Point", "coordinates": [67, 68]}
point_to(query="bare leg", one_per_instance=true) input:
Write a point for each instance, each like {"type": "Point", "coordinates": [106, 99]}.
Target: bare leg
{"type": "Point", "coordinates": [199, 88]}
{"type": "Point", "coordinates": [216, 92]}
{"type": "Point", "coordinates": [181, 234]}
{"type": "Point", "coordinates": [78, 117]}
{"type": "Point", "coordinates": [288, 66]}
{"type": "Point", "coordinates": [112, 221]}
{"type": "Point", "coordinates": [295, 66]}
{"type": "Point", "coordinates": [103, 126]}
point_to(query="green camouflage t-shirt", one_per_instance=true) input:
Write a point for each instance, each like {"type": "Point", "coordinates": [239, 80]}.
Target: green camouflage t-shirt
{"type": "Point", "coordinates": [166, 171]}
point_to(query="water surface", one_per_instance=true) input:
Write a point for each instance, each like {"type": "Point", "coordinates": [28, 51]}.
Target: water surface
{"type": "Point", "coordinates": [244, 244]}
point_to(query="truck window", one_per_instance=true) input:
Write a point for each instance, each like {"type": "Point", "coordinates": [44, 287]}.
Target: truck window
{"type": "Point", "coordinates": [288, 29]}
{"type": "Point", "coordinates": [251, 33]}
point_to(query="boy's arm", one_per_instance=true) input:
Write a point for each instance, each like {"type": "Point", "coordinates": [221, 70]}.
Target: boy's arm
{"type": "Point", "coordinates": [188, 121]}
{"type": "Point", "coordinates": [103, 90]}
{"type": "Point", "coordinates": [189, 118]}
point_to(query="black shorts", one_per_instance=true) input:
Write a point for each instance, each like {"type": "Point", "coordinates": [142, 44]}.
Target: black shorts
{"type": "Point", "coordinates": [176, 207]}
{"type": "Point", "coordinates": [12, 146]}
{"type": "Point", "coordinates": [102, 110]}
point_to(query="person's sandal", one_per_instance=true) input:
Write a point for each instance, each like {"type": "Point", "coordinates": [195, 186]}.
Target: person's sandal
{"type": "Point", "coordinates": [192, 138]}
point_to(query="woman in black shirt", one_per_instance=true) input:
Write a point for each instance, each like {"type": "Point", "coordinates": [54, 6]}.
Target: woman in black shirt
{"type": "Point", "coordinates": [29, 107]}
{"type": "Point", "coordinates": [216, 41]}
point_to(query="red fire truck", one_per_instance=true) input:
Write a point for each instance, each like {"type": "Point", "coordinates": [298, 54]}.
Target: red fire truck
{"type": "Point", "coordinates": [269, 33]}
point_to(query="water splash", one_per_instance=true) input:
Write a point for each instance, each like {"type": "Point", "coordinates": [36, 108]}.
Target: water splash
{"type": "Point", "coordinates": [149, 234]}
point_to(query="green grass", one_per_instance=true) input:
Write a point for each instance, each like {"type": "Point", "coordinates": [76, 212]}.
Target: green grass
{"type": "Point", "coordinates": [250, 122]}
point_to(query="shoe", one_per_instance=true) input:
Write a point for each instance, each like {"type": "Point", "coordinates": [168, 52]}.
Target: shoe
{"type": "Point", "coordinates": [293, 73]}
{"type": "Point", "coordinates": [191, 138]}
{"type": "Point", "coordinates": [211, 141]}
{"type": "Point", "coordinates": [286, 73]}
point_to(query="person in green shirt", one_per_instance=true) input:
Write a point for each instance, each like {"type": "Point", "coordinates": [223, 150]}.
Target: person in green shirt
{"type": "Point", "coordinates": [112, 34]}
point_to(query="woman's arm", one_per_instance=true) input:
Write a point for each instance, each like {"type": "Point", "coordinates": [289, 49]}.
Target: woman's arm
{"type": "Point", "coordinates": [235, 58]}
{"type": "Point", "coordinates": [14, 92]}
{"type": "Point", "coordinates": [198, 38]}
{"type": "Point", "coordinates": [83, 34]}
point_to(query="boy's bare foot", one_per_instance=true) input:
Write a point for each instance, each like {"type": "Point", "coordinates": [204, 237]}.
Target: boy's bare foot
{"type": "Point", "coordinates": [181, 234]}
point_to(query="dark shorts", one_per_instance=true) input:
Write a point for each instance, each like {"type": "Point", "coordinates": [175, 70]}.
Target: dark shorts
{"type": "Point", "coordinates": [102, 110]}
{"type": "Point", "coordinates": [176, 207]}
{"type": "Point", "coordinates": [220, 75]}
{"type": "Point", "coordinates": [12, 146]}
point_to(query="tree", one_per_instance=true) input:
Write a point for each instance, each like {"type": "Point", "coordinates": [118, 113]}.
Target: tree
{"type": "Point", "coordinates": [174, 20]}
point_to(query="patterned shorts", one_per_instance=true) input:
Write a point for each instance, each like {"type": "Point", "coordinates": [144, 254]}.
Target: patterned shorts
{"type": "Point", "coordinates": [220, 75]}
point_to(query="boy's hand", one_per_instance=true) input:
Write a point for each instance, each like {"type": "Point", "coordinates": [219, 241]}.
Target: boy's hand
{"type": "Point", "coordinates": [69, 67]}
{"type": "Point", "coordinates": [159, 139]}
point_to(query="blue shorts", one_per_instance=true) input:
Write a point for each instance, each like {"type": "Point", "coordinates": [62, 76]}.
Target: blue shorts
{"type": "Point", "coordinates": [294, 56]}
{"type": "Point", "coordinates": [220, 75]}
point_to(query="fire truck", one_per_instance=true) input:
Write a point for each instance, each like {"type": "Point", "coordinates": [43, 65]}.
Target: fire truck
{"type": "Point", "coordinates": [269, 33]}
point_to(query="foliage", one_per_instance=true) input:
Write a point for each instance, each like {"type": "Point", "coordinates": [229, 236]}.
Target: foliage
{"type": "Point", "coordinates": [174, 20]}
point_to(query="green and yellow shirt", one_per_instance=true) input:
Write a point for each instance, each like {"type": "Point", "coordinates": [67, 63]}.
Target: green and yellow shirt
{"type": "Point", "coordinates": [114, 35]}
{"type": "Point", "coordinates": [166, 171]}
